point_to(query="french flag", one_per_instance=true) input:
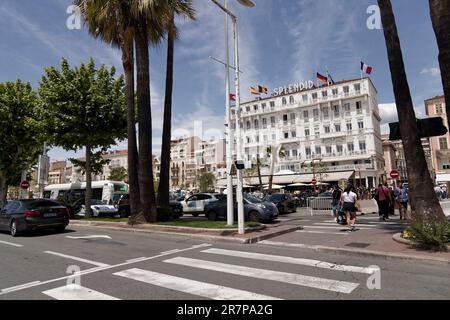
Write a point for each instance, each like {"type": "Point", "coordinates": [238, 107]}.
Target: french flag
{"type": "Point", "coordinates": [366, 68]}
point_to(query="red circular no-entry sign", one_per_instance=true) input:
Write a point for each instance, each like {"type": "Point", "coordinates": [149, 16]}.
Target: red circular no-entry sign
{"type": "Point", "coordinates": [24, 185]}
{"type": "Point", "coordinates": [314, 182]}
{"type": "Point", "coordinates": [395, 174]}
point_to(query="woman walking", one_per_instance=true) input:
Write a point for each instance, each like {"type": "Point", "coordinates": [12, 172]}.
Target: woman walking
{"type": "Point", "coordinates": [349, 203]}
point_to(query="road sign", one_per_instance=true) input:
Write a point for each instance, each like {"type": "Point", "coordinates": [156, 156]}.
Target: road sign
{"type": "Point", "coordinates": [314, 182]}
{"type": "Point", "coordinates": [25, 185]}
{"type": "Point", "coordinates": [395, 174]}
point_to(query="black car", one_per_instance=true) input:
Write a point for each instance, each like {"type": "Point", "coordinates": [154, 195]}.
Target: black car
{"type": "Point", "coordinates": [284, 202]}
{"type": "Point", "coordinates": [19, 216]}
{"type": "Point", "coordinates": [124, 207]}
{"type": "Point", "coordinates": [254, 209]}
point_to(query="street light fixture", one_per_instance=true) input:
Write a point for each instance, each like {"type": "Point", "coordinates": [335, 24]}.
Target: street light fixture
{"type": "Point", "coordinates": [239, 191]}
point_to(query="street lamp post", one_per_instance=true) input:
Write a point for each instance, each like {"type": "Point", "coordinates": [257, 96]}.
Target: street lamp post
{"type": "Point", "coordinates": [239, 191]}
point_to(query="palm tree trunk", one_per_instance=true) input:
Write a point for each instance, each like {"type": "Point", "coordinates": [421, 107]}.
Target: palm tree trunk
{"type": "Point", "coordinates": [164, 177]}
{"type": "Point", "coordinates": [133, 158]}
{"type": "Point", "coordinates": [440, 15]}
{"type": "Point", "coordinates": [3, 190]}
{"type": "Point", "coordinates": [146, 182]}
{"type": "Point", "coordinates": [88, 194]}
{"type": "Point", "coordinates": [423, 199]}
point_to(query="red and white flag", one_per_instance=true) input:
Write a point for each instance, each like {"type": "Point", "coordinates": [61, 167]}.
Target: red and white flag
{"type": "Point", "coordinates": [232, 97]}
{"type": "Point", "coordinates": [366, 68]}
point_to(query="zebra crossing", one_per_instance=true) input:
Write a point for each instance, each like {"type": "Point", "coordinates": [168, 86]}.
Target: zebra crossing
{"type": "Point", "coordinates": [330, 227]}
{"type": "Point", "coordinates": [233, 263]}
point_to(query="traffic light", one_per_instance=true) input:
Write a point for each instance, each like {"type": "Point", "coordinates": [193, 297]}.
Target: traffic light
{"type": "Point", "coordinates": [430, 127]}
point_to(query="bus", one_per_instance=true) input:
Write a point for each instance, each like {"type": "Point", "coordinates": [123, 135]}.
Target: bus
{"type": "Point", "coordinates": [106, 191]}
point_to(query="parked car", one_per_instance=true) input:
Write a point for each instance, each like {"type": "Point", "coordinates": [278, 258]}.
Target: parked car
{"type": "Point", "coordinates": [255, 209]}
{"type": "Point", "coordinates": [284, 202]}
{"type": "Point", "coordinates": [99, 209]}
{"type": "Point", "coordinates": [19, 216]}
{"type": "Point", "coordinates": [196, 204]}
{"type": "Point", "coordinates": [124, 207]}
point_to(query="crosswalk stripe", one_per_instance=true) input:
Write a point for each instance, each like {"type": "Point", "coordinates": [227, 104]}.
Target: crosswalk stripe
{"type": "Point", "coordinates": [11, 244]}
{"type": "Point", "coordinates": [334, 224]}
{"type": "Point", "coordinates": [323, 232]}
{"type": "Point", "coordinates": [285, 277]}
{"type": "Point", "coordinates": [284, 259]}
{"type": "Point", "coordinates": [76, 292]}
{"type": "Point", "coordinates": [197, 288]}
{"type": "Point", "coordinates": [336, 227]}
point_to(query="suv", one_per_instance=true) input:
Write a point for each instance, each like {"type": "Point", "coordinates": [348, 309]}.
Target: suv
{"type": "Point", "coordinates": [124, 207]}
{"type": "Point", "coordinates": [284, 202]}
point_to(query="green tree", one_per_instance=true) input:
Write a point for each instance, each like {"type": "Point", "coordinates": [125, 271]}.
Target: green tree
{"type": "Point", "coordinates": [180, 7]}
{"type": "Point", "coordinates": [118, 174]}
{"type": "Point", "coordinates": [440, 16]}
{"type": "Point", "coordinates": [20, 132]}
{"type": "Point", "coordinates": [84, 108]}
{"type": "Point", "coordinates": [205, 181]}
{"type": "Point", "coordinates": [423, 198]}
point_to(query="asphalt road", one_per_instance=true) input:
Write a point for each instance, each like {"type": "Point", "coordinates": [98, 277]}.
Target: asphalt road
{"type": "Point", "coordinates": [40, 266]}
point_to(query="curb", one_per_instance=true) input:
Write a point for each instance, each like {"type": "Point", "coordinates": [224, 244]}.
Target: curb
{"type": "Point", "coordinates": [248, 240]}
{"type": "Point", "coordinates": [367, 253]}
{"type": "Point", "coordinates": [398, 238]}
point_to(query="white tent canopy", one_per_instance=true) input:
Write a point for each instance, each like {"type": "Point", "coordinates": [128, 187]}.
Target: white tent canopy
{"type": "Point", "coordinates": [274, 186]}
{"type": "Point", "coordinates": [299, 185]}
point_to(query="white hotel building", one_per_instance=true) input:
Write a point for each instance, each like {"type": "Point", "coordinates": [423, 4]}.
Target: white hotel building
{"type": "Point", "coordinates": [336, 125]}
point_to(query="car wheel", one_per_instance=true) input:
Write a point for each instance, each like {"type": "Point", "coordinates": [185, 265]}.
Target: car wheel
{"type": "Point", "coordinates": [13, 229]}
{"type": "Point", "coordinates": [282, 210]}
{"type": "Point", "coordinates": [123, 213]}
{"type": "Point", "coordinates": [212, 216]}
{"type": "Point", "coordinates": [253, 216]}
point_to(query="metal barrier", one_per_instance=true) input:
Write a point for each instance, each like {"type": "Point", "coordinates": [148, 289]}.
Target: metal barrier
{"type": "Point", "coordinates": [320, 205]}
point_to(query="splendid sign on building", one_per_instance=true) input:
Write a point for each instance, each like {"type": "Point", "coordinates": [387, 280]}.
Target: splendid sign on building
{"type": "Point", "coordinates": [336, 125]}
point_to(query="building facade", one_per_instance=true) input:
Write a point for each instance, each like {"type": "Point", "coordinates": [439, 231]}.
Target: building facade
{"type": "Point", "coordinates": [440, 152]}
{"type": "Point", "coordinates": [396, 161]}
{"type": "Point", "coordinates": [336, 126]}
{"type": "Point", "coordinates": [191, 156]}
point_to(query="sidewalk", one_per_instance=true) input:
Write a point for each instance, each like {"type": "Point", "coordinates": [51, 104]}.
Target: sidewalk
{"type": "Point", "coordinates": [374, 238]}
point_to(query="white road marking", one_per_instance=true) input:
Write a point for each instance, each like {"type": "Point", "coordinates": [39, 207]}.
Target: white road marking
{"type": "Point", "coordinates": [337, 227]}
{"type": "Point", "coordinates": [95, 263]}
{"type": "Point", "coordinates": [25, 285]}
{"type": "Point", "coordinates": [137, 259]}
{"type": "Point", "coordinates": [197, 288]}
{"type": "Point", "coordinates": [11, 244]}
{"type": "Point", "coordinates": [288, 244]}
{"type": "Point", "coordinates": [323, 232]}
{"type": "Point", "coordinates": [285, 277]}
{"type": "Point", "coordinates": [335, 223]}
{"type": "Point", "coordinates": [76, 292]}
{"type": "Point", "coordinates": [90, 237]}
{"type": "Point", "coordinates": [291, 260]}
{"type": "Point", "coordinates": [93, 270]}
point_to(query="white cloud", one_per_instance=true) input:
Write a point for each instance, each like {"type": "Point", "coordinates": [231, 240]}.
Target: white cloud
{"type": "Point", "coordinates": [388, 114]}
{"type": "Point", "coordinates": [433, 72]}
{"type": "Point", "coordinates": [313, 41]}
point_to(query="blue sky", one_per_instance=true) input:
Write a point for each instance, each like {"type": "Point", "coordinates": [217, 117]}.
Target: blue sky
{"type": "Point", "coordinates": [281, 42]}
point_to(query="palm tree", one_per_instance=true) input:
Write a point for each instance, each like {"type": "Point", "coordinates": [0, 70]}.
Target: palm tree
{"type": "Point", "coordinates": [274, 153]}
{"type": "Point", "coordinates": [423, 199]}
{"type": "Point", "coordinates": [440, 15]}
{"type": "Point", "coordinates": [183, 7]}
{"type": "Point", "coordinates": [111, 22]}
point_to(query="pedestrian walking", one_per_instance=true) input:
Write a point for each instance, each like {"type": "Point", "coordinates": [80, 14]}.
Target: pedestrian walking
{"type": "Point", "coordinates": [383, 198]}
{"type": "Point", "coordinates": [336, 201]}
{"type": "Point", "coordinates": [349, 203]}
{"type": "Point", "coordinates": [402, 198]}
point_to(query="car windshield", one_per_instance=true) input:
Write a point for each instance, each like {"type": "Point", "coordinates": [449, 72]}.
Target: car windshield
{"type": "Point", "coordinates": [95, 202]}
{"type": "Point", "coordinates": [35, 204]}
{"type": "Point", "coordinates": [276, 197]}
{"type": "Point", "coordinates": [252, 198]}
